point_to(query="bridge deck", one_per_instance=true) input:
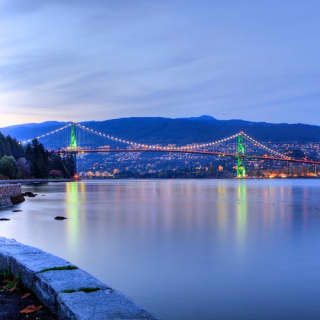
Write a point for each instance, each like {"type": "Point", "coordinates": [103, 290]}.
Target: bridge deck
{"type": "Point", "coordinates": [197, 152]}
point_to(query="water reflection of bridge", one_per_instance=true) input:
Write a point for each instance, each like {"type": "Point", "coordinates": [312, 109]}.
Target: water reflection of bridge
{"type": "Point", "coordinates": [236, 208]}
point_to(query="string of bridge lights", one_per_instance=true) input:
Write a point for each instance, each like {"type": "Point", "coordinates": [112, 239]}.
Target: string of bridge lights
{"type": "Point", "coordinates": [157, 147]}
{"type": "Point", "coordinates": [258, 144]}
{"type": "Point", "coordinates": [47, 134]}
{"type": "Point", "coordinates": [187, 147]}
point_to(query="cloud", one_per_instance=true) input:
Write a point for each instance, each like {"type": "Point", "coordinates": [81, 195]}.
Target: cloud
{"type": "Point", "coordinates": [62, 58]}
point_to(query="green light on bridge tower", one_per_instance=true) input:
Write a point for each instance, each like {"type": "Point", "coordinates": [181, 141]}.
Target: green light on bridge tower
{"type": "Point", "coordinates": [73, 147]}
{"type": "Point", "coordinates": [73, 138]}
{"type": "Point", "coordinates": [241, 168]}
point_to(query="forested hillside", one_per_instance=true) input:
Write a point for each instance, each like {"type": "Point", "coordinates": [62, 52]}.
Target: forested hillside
{"type": "Point", "coordinates": [172, 131]}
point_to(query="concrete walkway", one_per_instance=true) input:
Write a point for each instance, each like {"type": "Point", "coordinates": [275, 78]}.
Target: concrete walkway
{"type": "Point", "coordinates": [69, 292]}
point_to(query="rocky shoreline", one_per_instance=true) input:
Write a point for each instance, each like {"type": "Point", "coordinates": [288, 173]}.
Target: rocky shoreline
{"type": "Point", "coordinates": [33, 181]}
{"type": "Point", "coordinates": [10, 194]}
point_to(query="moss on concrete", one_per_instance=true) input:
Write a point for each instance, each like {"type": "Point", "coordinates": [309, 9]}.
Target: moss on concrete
{"type": "Point", "coordinates": [86, 290]}
{"type": "Point", "coordinates": [59, 268]}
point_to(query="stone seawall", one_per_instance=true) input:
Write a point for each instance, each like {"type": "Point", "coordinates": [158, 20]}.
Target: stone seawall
{"type": "Point", "coordinates": [7, 192]}
{"type": "Point", "coordinates": [69, 292]}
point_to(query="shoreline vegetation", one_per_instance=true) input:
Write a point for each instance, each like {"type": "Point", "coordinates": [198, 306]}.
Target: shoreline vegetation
{"type": "Point", "coordinates": [32, 161]}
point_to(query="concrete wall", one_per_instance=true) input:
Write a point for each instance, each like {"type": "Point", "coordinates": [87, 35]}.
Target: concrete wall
{"type": "Point", "coordinates": [66, 290]}
{"type": "Point", "coordinates": [6, 192]}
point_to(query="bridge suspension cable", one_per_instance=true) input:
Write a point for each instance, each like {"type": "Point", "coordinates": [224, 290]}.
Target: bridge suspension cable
{"type": "Point", "coordinates": [47, 134]}
{"type": "Point", "coordinates": [185, 147]}
{"type": "Point", "coordinates": [212, 143]}
{"type": "Point", "coordinates": [260, 145]}
{"type": "Point", "coordinates": [148, 146]}
{"type": "Point", "coordinates": [158, 147]}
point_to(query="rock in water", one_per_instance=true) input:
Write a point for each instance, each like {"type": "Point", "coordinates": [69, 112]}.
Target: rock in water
{"type": "Point", "coordinates": [30, 194]}
{"type": "Point", "coordinates": [17, 210]}
{"type": "Point", "coordinates": [17, 199]}
{"type": "Point", "coordinates": [60, 218]}
{"type": "Point", "coordinates": [4, 219]}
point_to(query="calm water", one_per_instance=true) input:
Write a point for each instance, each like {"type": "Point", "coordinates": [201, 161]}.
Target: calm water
{"type": "Point", "coordinates": [187, 249]}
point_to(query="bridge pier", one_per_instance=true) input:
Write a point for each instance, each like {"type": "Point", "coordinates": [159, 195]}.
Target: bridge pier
{"type": "Point", "coordinates": [315, 171]}
{"type": "Point", "coordinates": [75, 165]}
{"type": "Point", "coordinates": [74, 147]}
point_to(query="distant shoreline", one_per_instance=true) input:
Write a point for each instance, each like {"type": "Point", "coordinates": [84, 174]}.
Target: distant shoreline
{"type": "Point", "coordinates": [193, 178]}
{"type": "Point", "coordinates": [43, 181]}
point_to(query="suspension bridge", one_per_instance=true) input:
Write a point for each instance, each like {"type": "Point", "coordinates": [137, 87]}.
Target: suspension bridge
{"type": "Point", "coordinates": [241, 141]}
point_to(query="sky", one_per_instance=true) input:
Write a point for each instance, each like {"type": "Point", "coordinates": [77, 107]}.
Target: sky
{"type": "Point", "coordinates": [102, 59]}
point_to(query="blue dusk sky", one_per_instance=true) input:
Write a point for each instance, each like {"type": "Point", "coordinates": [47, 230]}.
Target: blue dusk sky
{"type": "Point", "coordinates": [95, 60]}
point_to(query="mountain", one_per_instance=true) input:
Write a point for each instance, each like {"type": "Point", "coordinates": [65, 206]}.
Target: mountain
{"type": "Point", "coordinates": [30, 130]}
{"type": "Point", "coordinates": [179, 130]}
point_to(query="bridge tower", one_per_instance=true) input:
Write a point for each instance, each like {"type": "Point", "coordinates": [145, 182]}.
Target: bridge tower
{"type": "Point", "coordinates": [241, 168]}
{"type": "Point", "coordinates": [73, 147]}
{"type": "Point", "coordinates": [73, 138]}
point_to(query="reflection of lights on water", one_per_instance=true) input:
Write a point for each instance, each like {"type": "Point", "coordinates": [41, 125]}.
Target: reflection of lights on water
{"type": "Point", "coordinates": [305, 207]}
{"type": "Point", "coordinates": [83, 191]}
{"type": "Point", "coordinates": [222, 208]}
{"type": "Point", "coordinates": [241, 211]}
{"type": "Point", "coordinates": [75, 196]}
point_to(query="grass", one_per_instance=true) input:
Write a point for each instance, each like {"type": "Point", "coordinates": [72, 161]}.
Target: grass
{"type": "Point", "coordinates": [5, 274]}
{"type": "Point", "coordinates": [68, 291]}
{"type": "Point", "coordinates": [88, 290]}
{"type": "Point", "coordinates": [9, 282]}
{"type": "Point", "coordinates": [59, 268]}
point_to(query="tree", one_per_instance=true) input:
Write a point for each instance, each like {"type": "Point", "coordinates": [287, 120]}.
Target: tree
{"type": "Point", "coordinates": [38, 159]}
{"type": "Point", "coordinates": [33, 160]}
{"type": "Point", "coordinates": [23, 168]}
{"type": "Point", "coordinates": [8, 167]}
